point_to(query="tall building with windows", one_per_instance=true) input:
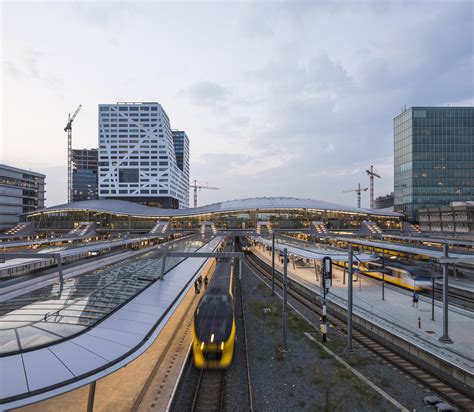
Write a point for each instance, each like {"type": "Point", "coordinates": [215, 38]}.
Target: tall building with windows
{"type": "Point", "coordinates": [433, 158]}
{"type": "Point", "coordinates": [84, 174]}
{"type": "Point", "coordinates": [21, 191]}
{"type": "Point", "coordinates": [137, 158]}
{"type": "Point", "coordinates": [181, 150]}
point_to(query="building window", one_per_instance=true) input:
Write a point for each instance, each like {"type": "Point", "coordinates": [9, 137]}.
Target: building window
{"type": "Point", "coordinates": [128, 175]}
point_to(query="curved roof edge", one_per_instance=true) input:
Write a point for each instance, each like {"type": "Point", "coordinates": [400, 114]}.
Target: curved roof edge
{"type": "Point", "coordinates": [266, 203]}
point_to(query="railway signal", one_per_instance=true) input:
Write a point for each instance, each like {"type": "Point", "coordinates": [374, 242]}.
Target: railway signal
{"type": "Point", "coordinates": [327, 283]}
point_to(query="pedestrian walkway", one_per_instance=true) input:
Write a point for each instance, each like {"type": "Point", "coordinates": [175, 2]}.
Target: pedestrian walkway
{"type": "Point", "coordinates": [396, 312]}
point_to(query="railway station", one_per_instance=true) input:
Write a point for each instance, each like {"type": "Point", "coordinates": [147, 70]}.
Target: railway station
{"type": "Point", "coordinates": [130, 307]}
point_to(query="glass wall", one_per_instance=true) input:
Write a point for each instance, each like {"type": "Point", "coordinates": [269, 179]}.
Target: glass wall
{"type": "Point", "coordinates": [280, 218]}
{"type": "Point", "coordinates": [433, 158]}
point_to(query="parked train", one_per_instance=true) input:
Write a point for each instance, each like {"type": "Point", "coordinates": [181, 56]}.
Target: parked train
{"type": "Point", "coordinates": [21, 266]}
{"type": "Point", "coordinates": [409, 277]}
{"type": "Point", "coordinates": [379, 250]}
{"type": "Point", "coordinates": [214, 321]}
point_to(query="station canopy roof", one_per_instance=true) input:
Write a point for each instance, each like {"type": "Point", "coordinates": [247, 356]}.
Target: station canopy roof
{"type": "Point", "coordinates": [316, 252]}
{"type": "Point", "coordinates": [413, 250]}
{"type": "Point", "coordinates": [121, 207]}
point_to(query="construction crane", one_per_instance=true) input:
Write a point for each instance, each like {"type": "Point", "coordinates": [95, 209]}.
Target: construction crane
{"type": "Point", "coordinates": [200, 186]}
{"type": "Point", "coordinates": [68, 129]}
{"type": "Point", "coordinates": [358, 190]}
{"type": "Point", "coordinates": [371, 173]}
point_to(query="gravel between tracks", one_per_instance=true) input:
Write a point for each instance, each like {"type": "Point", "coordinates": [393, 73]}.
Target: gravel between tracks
{"type": "Point", "coordinates": [306, 377]}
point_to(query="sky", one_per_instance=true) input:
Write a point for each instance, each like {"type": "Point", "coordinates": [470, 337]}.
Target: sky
{"type": "Point", "coordinates": [278, 98]}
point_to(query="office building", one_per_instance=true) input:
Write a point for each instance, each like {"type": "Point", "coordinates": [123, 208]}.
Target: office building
{"type": "Point", "coordinates": [433, 158]}
{"type": "Point", "coordinates": [137, 158]}
{"type": "Point", "coordinates": [181, 149]}
{"type": "Point", "coordinates": [21, 191]}
{"type": "Point", "coordinates": [458, 218]}
{"type": "Point", "coordinates": [384, 202]}
{"type": "Point", "coordinates": [84, 174]}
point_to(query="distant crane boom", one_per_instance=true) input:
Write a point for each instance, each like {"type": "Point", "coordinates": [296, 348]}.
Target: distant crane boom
{"type": "Point", "coordinates": [371, 173]}
{"type": "Point", "coordinates": [68, 129]}
{"type": "Point", "coordinates": [200, 186]}
{"type": "Point", "coordinates": [358, 190]}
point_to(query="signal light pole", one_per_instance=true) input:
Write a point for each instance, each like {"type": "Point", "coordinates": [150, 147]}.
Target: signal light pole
{"type": "Point", "coordinates": [349, 348]}
{"type": "Point", "coordinates": [285, 301]}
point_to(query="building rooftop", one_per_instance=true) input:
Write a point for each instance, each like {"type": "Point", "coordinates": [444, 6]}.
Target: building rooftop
{"type": "Point", "coordinates": [16, 169]}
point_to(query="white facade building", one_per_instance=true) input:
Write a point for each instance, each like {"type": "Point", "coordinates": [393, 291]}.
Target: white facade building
{"type": "Point", "coordinates": [137, 157]}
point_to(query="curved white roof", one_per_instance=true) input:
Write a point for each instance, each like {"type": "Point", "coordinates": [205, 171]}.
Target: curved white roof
{"type": "Point", "coordinates": [262, 203]}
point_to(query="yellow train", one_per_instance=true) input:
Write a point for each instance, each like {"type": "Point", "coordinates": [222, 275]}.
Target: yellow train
{"type": "Point", "coordinates": [214, 321]}
{"type": "Point", "coordinates": [408, 277]}
{"type": "Point", "coordinates": [380, 250]}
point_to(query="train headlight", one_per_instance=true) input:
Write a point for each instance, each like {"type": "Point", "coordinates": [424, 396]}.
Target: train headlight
{"type": "Point", "coordinates": [222, 346]}
{"type": "Point", "coordinates": [202, 345]}
{"type": "Point", "coordinates": [212, 338]}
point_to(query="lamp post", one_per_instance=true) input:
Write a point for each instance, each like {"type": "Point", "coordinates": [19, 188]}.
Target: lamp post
{"type": "Point", "coordinates": [285, 300]}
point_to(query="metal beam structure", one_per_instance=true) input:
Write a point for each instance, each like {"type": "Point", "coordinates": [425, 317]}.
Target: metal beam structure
{"type": "Point", "coordinates": [223, 255]}
{"type": "Point", "coordinates": [68, 129]}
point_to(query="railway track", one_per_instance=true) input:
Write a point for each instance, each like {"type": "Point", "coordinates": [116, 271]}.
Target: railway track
{"type": "Point", "coordinates": [446, 390]}
{"type": "Point", "coordinates": [217, 389]}
{"type": "Point", "coordinates": [210, 391]}
{"type": "Point", "coordinates": [456, 299]}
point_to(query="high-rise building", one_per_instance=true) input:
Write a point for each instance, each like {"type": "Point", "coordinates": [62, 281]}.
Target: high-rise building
{"type": "Point", "coordinates": [21, 191]}
{"type": "Point", "coordinates": [137, 159]}
{"type": "Point", "coordinates": [433, 158]}
{"type": "Point", "coordinates": [84, 174]}
{"type": "Point", "coordinates": [181, 150]}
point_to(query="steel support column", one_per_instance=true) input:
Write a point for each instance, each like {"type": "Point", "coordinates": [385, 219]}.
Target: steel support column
{"type": "Point", "coordinates": [445, 338]}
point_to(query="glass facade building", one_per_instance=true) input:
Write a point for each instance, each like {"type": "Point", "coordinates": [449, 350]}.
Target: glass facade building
{"type": "Point", "coordinates": [84, 174]}
{"type": "Point", "coordinates": [21, 191]}
{"type": "Point", "coordinates": [433, 158]}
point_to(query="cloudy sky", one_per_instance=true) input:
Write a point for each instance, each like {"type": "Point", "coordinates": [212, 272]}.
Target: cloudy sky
{"type": "Point", "coordinates": [278, 98]}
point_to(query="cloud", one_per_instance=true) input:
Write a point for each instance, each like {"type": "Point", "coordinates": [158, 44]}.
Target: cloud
{"type": "Point", "coordinates": [206, 94]}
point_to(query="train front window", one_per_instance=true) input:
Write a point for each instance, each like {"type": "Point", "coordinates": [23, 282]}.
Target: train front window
{"type": "Point", "coordinates": [214, 319]}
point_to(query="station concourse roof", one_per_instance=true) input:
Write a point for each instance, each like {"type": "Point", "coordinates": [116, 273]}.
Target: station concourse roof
{"type": "Point", "coordinates": [121, 207]}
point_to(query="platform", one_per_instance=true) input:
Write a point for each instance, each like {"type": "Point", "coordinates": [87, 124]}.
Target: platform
{"type": "Point", "coordinates": [101, 349]}
{"type": "Point", "coordinates": [396, 313]}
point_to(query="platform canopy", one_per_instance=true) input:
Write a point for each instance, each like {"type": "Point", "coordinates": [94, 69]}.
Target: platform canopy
{"type": "Point", "coordinates": [316, 253]}
{"type": "Point", "coordinates": [413, 250]}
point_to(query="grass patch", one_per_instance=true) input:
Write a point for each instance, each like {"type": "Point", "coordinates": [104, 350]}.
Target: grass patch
{"type": "Point", "coordinates": [280, 354]}
{"type": "Point", "coordinates": [356, 361]}
{"type": "Point", "coordinates": [299, 371]}
{"type": "Point", "coordinates": [274, 315]}
{"type": "Point", "coordinates": [299, 325]}
{"type": "Point", "coordinates": [360, 387]}
{"type": "Point", "coordinates": [263, 289]}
